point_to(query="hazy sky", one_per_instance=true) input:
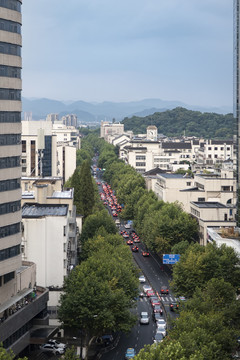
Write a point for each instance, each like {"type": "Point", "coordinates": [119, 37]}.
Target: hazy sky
{"type": "Point", "coordinates": [124, 50]}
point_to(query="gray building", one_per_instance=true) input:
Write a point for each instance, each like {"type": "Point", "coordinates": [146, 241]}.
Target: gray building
{"type": "Point", "coordinates": [22, 302]}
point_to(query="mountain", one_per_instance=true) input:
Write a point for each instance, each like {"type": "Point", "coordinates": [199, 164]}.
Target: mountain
{"type": "Point", "coordinates": [107, 110]}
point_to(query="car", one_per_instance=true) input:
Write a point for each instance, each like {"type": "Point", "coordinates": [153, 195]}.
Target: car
{"type": "Point", "coordinates": [150, 293]}
{"type": "Point", "coordinates": [142, 279]}
{"type": "Point", "coordinates": [158, 338]}
{"type": "Point", "coordinates": [135, 249]}
{"type": "Point", "coordinates": [51, 349]}
{"type": "Point", "coordinates": [156, 316]}
{"type": "Point", "coordinates": [56, 343]}
{"type": "Point", "coordinates": [161, 323]}
{"type": "Point", "coordinates": [144, 317]}
{"type": "Point", "coordinates": [182, 298]}
{"type": "Point", "coordinates": [147, 288]}
{"type": "Point", "coordinates": [157, 309]}
{"type": "Point", "coordinates": [129, 242]}
{"type": "Point", "coordinates": [136, 240]}
{"type": "Point", "coordinates": [174, 306]}
{"type": "Point", "coordinates": [161, 330]}
{"type": "Point", "coordinates": [145, 253]}
{"type": "Point", "coordinates": [130, 353]}
{"type": "Point", "coordinates": [127, 226]}
{"type": "Point", "coordinates": [164, 290]}
{"type": "Point", "coordinates": [154, 300]}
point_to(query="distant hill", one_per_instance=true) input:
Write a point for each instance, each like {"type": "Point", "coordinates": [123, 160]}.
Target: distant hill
{"type": "Point", "coordinates": [95, 112]}
{"type": "Point", "coordinates": [180, 121]}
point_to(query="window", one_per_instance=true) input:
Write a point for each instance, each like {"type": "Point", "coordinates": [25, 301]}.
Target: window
{"type": "Point", "coordinates": [10, 26]}
{"type": "Point", "coordinates": [9, 230]}
{"type": "Point", "coordinates": [215, 156]}
{"type": "Point", "coordinates": [209, 156]}
{"type": "Point", "coordinates": [201, 199]}
{"type": "Point", "coordinates": [10, 49]}
{"type": "Point", "coordinates": [10, 207]}
{"type": "Point", "coordinates": [7, 117]}
{"type": "Point", "coordinates": [222, 148]}
{"type": "Point", "coordinates": [10, 94]}
{"type": "Point", "coordinates": [11, 4]}
{"type": "Point", "coordinates": [189, 183]}
{"type": "Point", "coordinates": [140, 164]}
{"type": "Point", "coordinates": [9, 162]}
{"type": "Point", "coordinates": [228, 148]}
{"type": "Point", "coordinates": [10, 139]}
{"type": "Point", "coordinates": [216, 148]}
{"type": "Point", "coordinates": [7, 185]}
{"type": "Point", "coordinates": [138, 157]}
{"type": "Point", "coordinates": [209, 148]}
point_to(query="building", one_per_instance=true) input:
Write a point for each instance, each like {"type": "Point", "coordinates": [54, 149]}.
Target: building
{"type": "Point", "coordinates": [49, 149]}
{"type": "Point", "coordinates": [50, 233]}
{"type": "Point", "coordinates": [70, 120]}
{"type": "Point", "coordinates": [110, 129]}
{"type": "Point", "coordinates": [17, 279]}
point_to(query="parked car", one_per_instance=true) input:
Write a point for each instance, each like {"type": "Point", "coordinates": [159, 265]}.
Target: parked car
{"type": "Point", "coordinates": [161, 330]}
{"type": "Point", "coordinates": [130, 353]}
{"type": "Point", "coordinates": [161, 323]}
{"type": "Point", "coordinates": [144, 317]}
{"type": "Point", "coordinates": [51, 349]}
{"type": "Point", "coordinates": [56, 343]}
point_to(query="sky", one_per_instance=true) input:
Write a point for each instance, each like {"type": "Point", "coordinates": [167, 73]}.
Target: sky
{"type": "Point", "coordinates": [127, 50]}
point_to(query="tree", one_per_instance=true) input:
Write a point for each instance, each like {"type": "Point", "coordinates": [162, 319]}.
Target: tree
{"type": "Point", "coordinates": [86, 194]}
{"type": "Point", "coordinates": [200, 264]}
{"type": "Point", "coordinates": [8, 355]}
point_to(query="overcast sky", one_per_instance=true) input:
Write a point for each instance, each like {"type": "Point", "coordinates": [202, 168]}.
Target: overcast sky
{"type": "Point", "coordinates": [124, 50]}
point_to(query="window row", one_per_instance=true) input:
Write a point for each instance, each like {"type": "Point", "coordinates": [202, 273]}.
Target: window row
{"type": "Point", "coordinates": [10, 207]}
{"type": "Point", "coordinates": [10, 117]}
{"type": "Point", "coordinates": [221, 148]}
{"type": "Point", "coordinates": [10, 94]}
{"type": "Point", "coordinates": [11, 4]}
{"type": "Point", "coordinates": [138, 157]}
{"type": "Point", "coordinates": [10, 26]}
{"type": "Point", "coordinates": [10, 139]}
{"type": "Point", "coordinates": [140, 164]}
{"type": "Point", "coordinates": [10, 49]}
{"type": "Point", "coordinates": [12, 184]}
{"type": "Point", "coordinates": [9, 252]}
{"type": "Point", "coordinates": [9, 230]}
{"type": "Point", "coordinates": [9, 162]}
{"type": "Point", "coordinates": [10, 71]}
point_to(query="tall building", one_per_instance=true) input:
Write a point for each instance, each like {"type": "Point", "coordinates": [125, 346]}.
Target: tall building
{"type": "Point", "coordinates": [236, 92]}
{"type": "Point", "coordinates": [23, 304]}
{"type": "Point", "coordinates": [10, 145]}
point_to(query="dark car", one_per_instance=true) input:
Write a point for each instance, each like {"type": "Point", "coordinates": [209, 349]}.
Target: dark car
{"type": "Point", "coordinates": [156, 316]}
{"type": "Point", "coordinates": [174, 306]}
{"type": "Point", "coordinates": [145, 253]}
{"type": "Point", "coordinates": [129, 242]}
{"type": "Point", "coordinates": [157, 309]}
{"type": "Point", "coordinates": [135, 249]}
{"type": "Point", "coordinates": [164, 290]}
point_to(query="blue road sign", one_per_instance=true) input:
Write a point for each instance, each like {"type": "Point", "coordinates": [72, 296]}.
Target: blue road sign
{"type": "Point", "coordinates": [170, 258]}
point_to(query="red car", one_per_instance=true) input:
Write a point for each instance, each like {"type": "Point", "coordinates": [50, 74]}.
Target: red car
{"type": "Point", "coordinates": [135, 249]}
{"type": "Point", "coordinates": [145, 253]}
{"type": "Point", "coordinates": [150, 293]}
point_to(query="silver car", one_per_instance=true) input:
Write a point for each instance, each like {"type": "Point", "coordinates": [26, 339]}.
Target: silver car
{"type": "Point", "coordinates": [144, 317]}
{"type": "Point", "coordinates": [48, 348]}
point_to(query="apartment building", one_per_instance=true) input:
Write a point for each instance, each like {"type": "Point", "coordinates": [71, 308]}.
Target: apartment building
{"type": "Point", "coordinates": [49, 149]}
{"type": "Point", "coordinates": [17, 279]}
{"type": "Point", "coordinates": [50, 233]}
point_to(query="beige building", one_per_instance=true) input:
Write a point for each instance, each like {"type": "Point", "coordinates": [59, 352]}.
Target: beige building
{"type": "Point", "coordinates": [212, 214]}
{"type": "Point", "coordinates": [50, 233]}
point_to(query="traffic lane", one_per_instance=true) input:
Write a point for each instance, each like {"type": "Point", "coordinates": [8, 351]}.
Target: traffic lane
{"type": "Point", "coordinates": [139, 336]}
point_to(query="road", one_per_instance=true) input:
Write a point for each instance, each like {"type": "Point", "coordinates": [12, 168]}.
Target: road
{"type": "Point", "coordinates": [157, 275]}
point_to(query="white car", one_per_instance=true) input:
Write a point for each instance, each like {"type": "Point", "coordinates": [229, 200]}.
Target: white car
{"type": "Point", "coordinates": [127, 226]}
{"type": "Point", "coordinates": [56, 343]}
{"type": "Point", "coordinates": [48, 348]}
{"type": "Point", "coordinates": [161, 323]}
{"type": "Point", "coordinates": [144, 317]}
{"type": "Point", "coordinates": [142, 279]}
{"type": "Point", "coordinates": [161, 330]}
{"type": "Point", "coordinates": [146, 288]}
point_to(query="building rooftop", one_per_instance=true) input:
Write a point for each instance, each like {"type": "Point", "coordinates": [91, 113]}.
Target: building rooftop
{"type": "Point", "coordinates": [208, 204]}
{"type": "Point", "coordinates": [176, 145]}
{"type": "Point", "coordinates": [66, 194]}
{"type": "Point", "coordinates": [174, 176]}
{"type": "Point", "coordinates": [40, 210]}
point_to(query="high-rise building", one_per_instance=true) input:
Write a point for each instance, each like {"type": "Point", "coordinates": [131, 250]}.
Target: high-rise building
{"type": "Point", "coordinates": [10, 144]}
{"type": "Point", "coordinates": [236, 92]}
{"type": "Point", "coordinates": [23, 304]}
